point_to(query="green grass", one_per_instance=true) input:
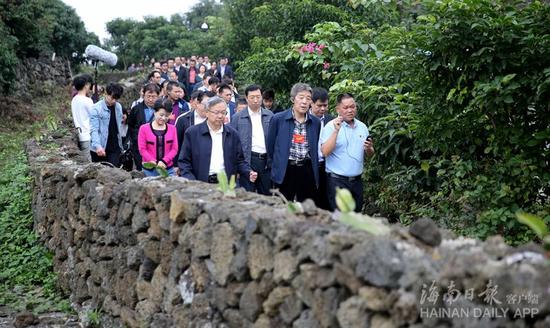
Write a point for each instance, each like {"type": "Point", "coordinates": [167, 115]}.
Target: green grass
{"type": "Point", "coordinates": [27, 279]}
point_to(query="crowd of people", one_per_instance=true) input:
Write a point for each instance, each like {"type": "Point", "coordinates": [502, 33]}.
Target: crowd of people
{"type": "Point", "coordinates": [191, 121]}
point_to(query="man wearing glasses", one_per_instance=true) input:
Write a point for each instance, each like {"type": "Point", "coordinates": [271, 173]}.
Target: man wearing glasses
{"type": "Point", "coordinates": [211, 147]}
{"type": "Point", "coordinates": [140, 114]}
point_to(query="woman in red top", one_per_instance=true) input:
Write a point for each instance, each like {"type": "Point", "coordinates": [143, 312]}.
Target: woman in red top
{"type": "Point", "coordinates": [158, 141]}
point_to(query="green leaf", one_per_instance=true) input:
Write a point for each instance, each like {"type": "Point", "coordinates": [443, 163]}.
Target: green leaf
{"type": "Point", "coordinates": [425, 166]}
{"type": "Point", "coordinates": [344, 200]}
{"type": "Point", "coordinates": [507, 78]}
{"type": "Point", "coordinates": [162, 171]}
{"type": "Point", "coordinates": [534, 222]}
{"type": "Point", "coordinates": [294, 207]}
{"type": "Point", "coordinates": [364, 222]}
{"type": "Point", "coordinates": [149, 166]}
{"type": "Point", "coordinates": [451, 94]}
{"type": "Point", "coordinates": [223, 185]}
{"type": "Point", "coordinates": [232, 183]}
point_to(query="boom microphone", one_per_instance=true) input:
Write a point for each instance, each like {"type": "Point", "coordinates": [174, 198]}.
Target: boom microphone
{"type": "Point", "coordinates": [96, 53]}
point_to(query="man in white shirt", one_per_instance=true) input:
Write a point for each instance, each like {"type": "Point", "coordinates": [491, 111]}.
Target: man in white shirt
{"type": "Point", "coordinates": [252, 124]}
{"type": "Point", "coordinates": [80, 109]}
{"type": "Point", "coordinates": [207, 62]}
{"type": "Point", "coordinates": [195, 116]}
{"type": "Point", "coordinates": [211, 147]}
{"type": "Point", "coordinates": [225, 92]}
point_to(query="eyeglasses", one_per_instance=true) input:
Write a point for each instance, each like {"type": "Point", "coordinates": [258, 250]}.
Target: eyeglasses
{"type": "Point", "coordinates": [150, 96]}
{"type": "Point", "coordinates": [308, 98]}
{"type": "Point", "coordinates": [219, 113]}
{"type": "Point", "coordinates": [255, 97]}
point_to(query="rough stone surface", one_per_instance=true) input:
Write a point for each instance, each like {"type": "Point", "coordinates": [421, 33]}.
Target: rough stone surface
{"type": "Point", "coordinates": [168, 252]}
{"type": "Point", "coordinates": [275, 299]}
{"type": "Point", "coordinates": [285, 266]}
{"type": "Point", "coordinates": [260, 258]}
{"type": "Point", "coordinates": [382, 265]}
{"type": "Point", "coordinates": [222, 252]}
{"type": "Point", "coordinates": [352, 313]}
{"type": "Point", "coordinates": [251, 301]}
{"type": "Point", "coordinates": [427, 231]}
{"type": "Point", "coordinates": [25, 319]}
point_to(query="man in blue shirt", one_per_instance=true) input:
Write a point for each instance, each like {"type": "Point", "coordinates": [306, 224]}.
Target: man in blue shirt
{"type": "Point", "coordinates": [344, 142]}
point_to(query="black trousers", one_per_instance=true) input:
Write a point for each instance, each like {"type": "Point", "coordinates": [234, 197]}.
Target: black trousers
{"type": "Point", "coordinates": [322, 194]}
{"type": "Point", "coordinates": [299, 182]}
{"type": "Point", "coordinates": [136, 155]}
{"type": "Point", "coordinates": [112, 157]}
{"type": "Point", "coordinates": [355, 187]}
{"type": "Point", "coordinates": [262, 185]}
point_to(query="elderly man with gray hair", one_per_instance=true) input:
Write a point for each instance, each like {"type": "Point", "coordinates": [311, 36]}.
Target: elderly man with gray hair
{"type": "Point", "coordinates": [211, 147]}
{"type": "Point", "coordinates": [292, 147]}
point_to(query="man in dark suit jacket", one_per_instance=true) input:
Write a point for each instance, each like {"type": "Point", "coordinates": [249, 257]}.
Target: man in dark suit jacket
{"type": "Point", "coordinates": [224, 69]}
{"type": "Point", "coordinates": [293, 147]}
{"type": "Point", "coordinates": [197, 115]}
{"type": "Point", "coordinates": [319, 108]}
{"type": "Point", "coordinates": [140, 114]}
{"type": "Point", "coordinates": [211, 146]}
{"type": "Point", "coordinates": [225, 92]}
{"type": "Point", "coordinates": [181, 70]}
{"type": "Point", "coordinates": [252, 123]}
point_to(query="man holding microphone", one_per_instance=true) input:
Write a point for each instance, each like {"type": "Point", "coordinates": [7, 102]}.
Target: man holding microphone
{"type": "Point", "coordinates": [344, 142]}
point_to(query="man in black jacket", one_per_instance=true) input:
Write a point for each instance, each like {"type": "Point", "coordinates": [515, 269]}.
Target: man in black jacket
{"type": "Point", "coordinates": [196, 115]}
{"type": "Point", "coordinates": [211, 147]}
{"type": "Point", "coordinates": [224, 69]}
{"type": "Point", "coordinates": [140, 114]}
{"type": "Point", "coordinates": [319, 108]}
{"type": "Point", "coordinates": [181, 70]}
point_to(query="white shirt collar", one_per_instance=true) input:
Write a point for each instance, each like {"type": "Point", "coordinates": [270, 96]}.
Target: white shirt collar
{"type": "Point", "coordinates": [252, 113]}
{"type": "Point", "coordinates": [212, 131]}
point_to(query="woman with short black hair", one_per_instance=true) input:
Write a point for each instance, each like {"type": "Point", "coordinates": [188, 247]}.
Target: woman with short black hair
{"type": "Point", "coordinates": [158, 141]}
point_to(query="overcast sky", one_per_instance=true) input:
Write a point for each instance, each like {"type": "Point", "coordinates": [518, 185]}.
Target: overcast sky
{"type": "Point", "coordinates": [95, 13]}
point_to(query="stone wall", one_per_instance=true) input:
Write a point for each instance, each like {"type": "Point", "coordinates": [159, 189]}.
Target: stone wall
{"type": "Point", "coordinates": [36, 77]}
{"type": "Point", "coordinates": [168, 252]}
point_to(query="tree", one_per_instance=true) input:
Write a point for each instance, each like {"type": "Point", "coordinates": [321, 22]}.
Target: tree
{"type": "Point", "coordinates": [205, 8]}
{"type": "Point", "coordinates": [157, 37]}
{"type": "Point", "coordinates": [119, 29]}
{"type": "Point", "coordinates": [31, 28]}
{"type": "Point", "coordinates": [458, 102]}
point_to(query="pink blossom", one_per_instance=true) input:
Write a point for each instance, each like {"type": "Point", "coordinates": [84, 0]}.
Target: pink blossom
{"type": "Point", "coordinates": [326, 65]}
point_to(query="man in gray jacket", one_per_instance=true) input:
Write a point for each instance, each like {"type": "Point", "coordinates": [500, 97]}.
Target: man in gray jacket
{"type": "Point", "coordinates": [252, 124]}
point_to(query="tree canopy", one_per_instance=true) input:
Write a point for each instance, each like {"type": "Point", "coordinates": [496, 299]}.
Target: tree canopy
{"type": "Point", "coordinates": [157, 37]}
{"type": "Point", "coordinates": [33, 27]}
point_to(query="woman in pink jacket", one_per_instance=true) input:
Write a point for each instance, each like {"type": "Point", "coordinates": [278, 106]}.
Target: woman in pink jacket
{"type": "Point", "coordinates": [158, 141]}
